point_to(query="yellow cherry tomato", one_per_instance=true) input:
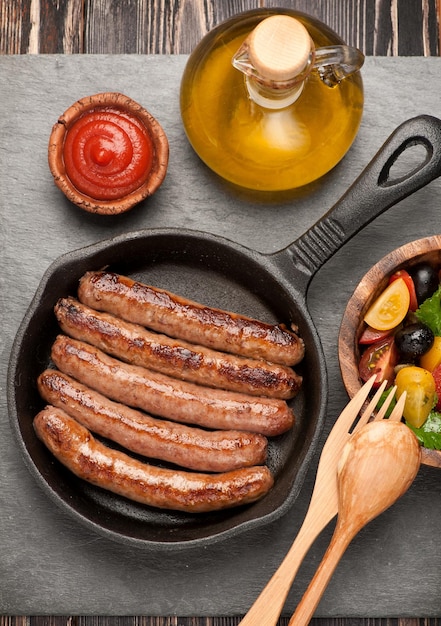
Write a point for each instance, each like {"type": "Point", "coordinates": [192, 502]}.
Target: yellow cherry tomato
{"type": "Point", "coordinates": [390, 308]}
{"type": "Point", "coordinates": [432, 358]}
{"type": "Point", "coordinates": [419, 385]}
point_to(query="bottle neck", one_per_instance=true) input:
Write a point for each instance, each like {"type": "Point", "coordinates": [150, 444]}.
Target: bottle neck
{"type": "Point", "coordinates": [276, 59]}
{"type": "Point", "coordinates": [278, 56]}
{"type": "Point", "coordinates": [271, 97]}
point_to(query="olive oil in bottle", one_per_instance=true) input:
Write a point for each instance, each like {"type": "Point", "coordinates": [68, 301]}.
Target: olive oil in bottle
{"type": "Point", "coordinates": [272, 100]}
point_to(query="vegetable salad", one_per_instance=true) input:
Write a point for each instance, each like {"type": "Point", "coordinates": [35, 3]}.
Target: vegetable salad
{"type": "Point", "coordinates": [401, 343]}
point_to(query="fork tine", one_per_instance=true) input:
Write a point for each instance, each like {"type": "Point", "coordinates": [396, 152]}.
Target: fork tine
{"type": "Point", "coordinates": [350, 412]}
{"type": "Point", "coordinates": [353, 407]}
{"type": "Point", "coordinates": [397, 412]}
{"type": "Point", "coordinates": [386, 404]}
{"type": "Point", "coordinates": [369, 410]}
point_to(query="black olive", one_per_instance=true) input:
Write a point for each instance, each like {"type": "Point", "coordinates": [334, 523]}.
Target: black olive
{"type": "Point", "coordinates": [414, 340]}
{"type": "Point", "coordinates": [426, 281]}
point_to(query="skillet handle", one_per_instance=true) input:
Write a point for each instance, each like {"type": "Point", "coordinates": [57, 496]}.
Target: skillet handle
{"type": "Point", "coordinates": [374, 191]}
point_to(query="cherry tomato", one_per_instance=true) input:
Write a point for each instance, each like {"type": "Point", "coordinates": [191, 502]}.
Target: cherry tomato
{"type": "Point", "coordinates": [371, 335]}
{"type": "Point", "coordinates": [413, 304]}
{"type": "Point", "coordinates": [437, 378]}
{"type": "Point", "coordinates": [432, 358]}
{"type": "Point", "coordinates": [390, 308]}
{"type": "Point", "coordinates": [380, 358]}
{"type": "Point", "coordinates": [419, 385]}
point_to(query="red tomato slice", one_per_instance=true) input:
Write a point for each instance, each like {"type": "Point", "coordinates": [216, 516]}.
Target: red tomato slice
{"type": "Point", "coordinates": [372, 335]}
{"type": "Point", "coordinates": [410, 286]}
{"type": "Point", "coordinates": [437, 378]}
{"type": "Point", "coordinates": [379, 358]}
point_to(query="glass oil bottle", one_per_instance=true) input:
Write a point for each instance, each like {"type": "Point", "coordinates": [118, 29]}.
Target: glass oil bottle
{"type": "Point", "coordinates": [272, 100]}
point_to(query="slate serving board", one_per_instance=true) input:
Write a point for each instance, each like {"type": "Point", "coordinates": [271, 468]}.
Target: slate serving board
{"type": "Point", "coordinates": [49, 564]}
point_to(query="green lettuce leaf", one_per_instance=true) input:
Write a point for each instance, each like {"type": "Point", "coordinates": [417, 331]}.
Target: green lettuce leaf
{"type": "Point", "coordinates": [429, 434]}
{"type": "Point", "coordinates": [429, 312]}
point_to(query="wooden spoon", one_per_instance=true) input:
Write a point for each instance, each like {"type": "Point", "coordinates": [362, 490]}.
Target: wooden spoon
{"type": "Point", "coordinates": [377, 466]}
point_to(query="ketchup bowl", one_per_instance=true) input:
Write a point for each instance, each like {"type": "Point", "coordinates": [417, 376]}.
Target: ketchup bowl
{"type": "Point", "coordinates": [107, 153]}
{"type": "Point", "coordinates": [409, 257]}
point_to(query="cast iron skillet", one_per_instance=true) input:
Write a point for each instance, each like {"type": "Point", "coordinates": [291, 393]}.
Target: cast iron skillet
{"type": "Point", "coordinates": [217, 272]}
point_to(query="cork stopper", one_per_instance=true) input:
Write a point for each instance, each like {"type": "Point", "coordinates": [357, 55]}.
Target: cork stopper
{"type": "Point", "coordinates": [279, 47]}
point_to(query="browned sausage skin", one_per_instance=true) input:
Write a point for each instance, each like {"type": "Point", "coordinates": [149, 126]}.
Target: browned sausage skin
{"type": "Point", "coordinates": [134, 344]}
{"type": "Point", "coordinates": [185, 319]}
{"type": "Point", "coordinates": [74, 446]}
{"type": "Point", "coordinates": [187, 446]}
{"type": "Point", "coordinates": [169, 397]}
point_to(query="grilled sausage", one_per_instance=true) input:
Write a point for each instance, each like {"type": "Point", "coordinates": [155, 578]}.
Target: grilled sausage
{"type": "Point", "coordinates": [173, 315]}
{"type": "Point", "coordinates": [134, 344]}
{"type": "Point", "coordinates": [187, 446]}
{"type": "Point", "coordinates": [74, 446]}
{"type": "Point", "coordinates": [169, 397]}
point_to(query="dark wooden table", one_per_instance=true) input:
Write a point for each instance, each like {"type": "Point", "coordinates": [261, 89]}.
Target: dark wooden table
{"type": "Point", "coordinates": [383, 27]}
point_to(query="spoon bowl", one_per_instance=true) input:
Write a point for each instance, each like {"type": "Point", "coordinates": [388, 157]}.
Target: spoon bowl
{"type": "Point", "coordinates": [377, 466]}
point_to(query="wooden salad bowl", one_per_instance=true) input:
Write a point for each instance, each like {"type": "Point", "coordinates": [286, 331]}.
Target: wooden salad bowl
{"type": "Point", "coordinates": [370, 286]}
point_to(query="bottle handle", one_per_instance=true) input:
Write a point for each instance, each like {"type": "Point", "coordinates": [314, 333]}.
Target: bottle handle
{"type": "Point", "coordinates": [335, 63]}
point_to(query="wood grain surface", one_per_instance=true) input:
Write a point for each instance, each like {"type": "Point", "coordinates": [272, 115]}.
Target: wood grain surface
{"type": "Point", "coordinates": [61, 620]}
{"type": "Point", "coordinates": [377, 27]}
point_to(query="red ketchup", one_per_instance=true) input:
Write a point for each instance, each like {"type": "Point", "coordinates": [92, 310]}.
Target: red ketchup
{"type": "Point", "coordinates": [107, 153]}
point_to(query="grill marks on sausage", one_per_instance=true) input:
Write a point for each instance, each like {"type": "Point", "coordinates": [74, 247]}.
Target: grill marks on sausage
{"type": "Point", "coordinates": [75, 447]}
{"type": "Point", "coordinates": [185, 319]}
{"type": "Point", "coordinates": [169, 397]}
{"type": "Point", "coordinates": [135, 344]}
{"type": "Point", "coordinates": [211, 451]}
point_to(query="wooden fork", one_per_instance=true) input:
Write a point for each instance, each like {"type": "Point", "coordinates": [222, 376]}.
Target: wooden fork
{"type": "Point", "coordinates": [323, 506]}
